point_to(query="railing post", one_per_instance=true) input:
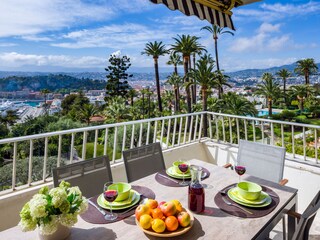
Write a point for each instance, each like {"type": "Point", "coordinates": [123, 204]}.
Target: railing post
{"type": "Point", "coordinates": [316, 145]}
{"type": "Point", "coordinates": [45, 159]}
{"type": "Point", "coordinates": [202, 120]}
{"type": "Point", "coordinates": [115, 144]}
{"type": "Point", "coordinates": [292, 141]}
{"type": "Point", "coordinates": [30, 163]}
{"type": "Point", "coordinates": [180, 130]}
{"type": "Point", "coordinates": [174, 132]}
{"type": "Point", "coordinates": [14, 165]}
{"type": "Point", "coordinates": [72, 147]}
{"type": "Point", "coordinates": [124, 138]}
{"type": "Point", "coordinates": [59, 150]}
{"type": "Point", "coordinates": [155, 131]}
{"type": "Point", "coordinates": [245, 129]}
{"type": "Point", "coordinates": [148, 133]}
{"type": "Point", "coordinates": [304, 143]}
{"type": "Point", "coordinates": [140, 135]}
{"type": "Point", "coordinates": [95, 143]}
{"type": "Point", "coordinates": [195, 128]}
{"type": "Point", "coordinates": [168, 133]}
{"type": "Point", "coordinates": [105, 149]}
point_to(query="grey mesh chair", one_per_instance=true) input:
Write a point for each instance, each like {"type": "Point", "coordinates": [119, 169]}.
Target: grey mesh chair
{"type": "Point", "coordinates": [89, 175]}
{"type": "Point", "coordinates": [263, 161]}
{"type": "Point", "coordinates": [143, 161]}
{"type": "Point", "coordinates": [305, 219]}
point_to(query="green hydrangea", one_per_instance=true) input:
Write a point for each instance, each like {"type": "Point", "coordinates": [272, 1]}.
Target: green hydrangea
{"type": "Point", "coordinates": [27, 223]}
{"type": "Point", "coordinates": [49, 227]}
{"type": "Point", "coordinates": [65, 206]}
{"type": "Point", "coordinates": [47, 209]}
{"type": "Point", "coordinates": [64, 185]}
{"type": "Point", "coordinates": [68, 219]}
{"type": "Point", "coordinates": [38, 205]}
{"type": "Point", "coordinates": [58, 195]}
{"type": "Point", "coordinates": [75, 191]}
{"type": "Point", "coordinates": [83, 206]}
{"type": "Point", "coordinates": [44, 190]}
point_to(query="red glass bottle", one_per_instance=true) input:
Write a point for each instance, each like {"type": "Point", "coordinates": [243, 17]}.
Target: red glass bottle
{"type": "Point", "coordinates": [196, 190]}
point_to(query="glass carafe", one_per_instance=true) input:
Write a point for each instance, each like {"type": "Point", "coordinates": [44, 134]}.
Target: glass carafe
{"type": "Point", "coordinates": [196, 190]}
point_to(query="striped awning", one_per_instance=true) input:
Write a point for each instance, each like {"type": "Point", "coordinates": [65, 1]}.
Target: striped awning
{"type": "Point", "coordinates": [212, 11]}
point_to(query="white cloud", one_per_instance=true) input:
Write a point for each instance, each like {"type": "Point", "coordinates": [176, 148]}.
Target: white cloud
{"type": "Point", "coordinates": [262, 41]}
{"type": "Point", "coordinates": [8, 44]}
{"type": "Point", "coordinates": [19, 17]}
{"type": "Point", "coordinates": [235, 64]}
{"type": "Point", "coordinates": [128, 36]}
{"type": "Point", "coordinates": [267, 27]}
{"type": "Point", "coordinates": [36, 38]}
{"type": "Point", "coordinates": [277, 11]}
{"type": "Point", "coordinates": [14, 59]}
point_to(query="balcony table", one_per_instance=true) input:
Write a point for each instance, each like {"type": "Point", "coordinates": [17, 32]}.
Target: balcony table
{"type": "Point", "coordinates": [217, 225]}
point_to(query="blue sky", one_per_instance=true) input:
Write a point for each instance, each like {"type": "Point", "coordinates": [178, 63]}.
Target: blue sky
{"type": "Point", "coordinates": [79, 35]}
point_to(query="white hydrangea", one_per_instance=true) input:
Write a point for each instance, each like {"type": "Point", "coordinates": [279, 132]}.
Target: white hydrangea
{"type": "Point", "coordinates": [58, 195]}
{"type": "Point", "coordinates": [37, 206]}
{"type": "Point", "coordinates": [68, 219]}
{"type": "Point", "coordinates": [49, 227]}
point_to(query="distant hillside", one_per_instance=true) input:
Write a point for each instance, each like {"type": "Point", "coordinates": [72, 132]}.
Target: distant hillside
{"type": "Point", "coordinates": [51, 82]}
{"type": "Point", "coordinates": [260, 72]}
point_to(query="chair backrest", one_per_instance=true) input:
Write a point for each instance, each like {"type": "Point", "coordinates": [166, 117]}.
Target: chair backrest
{"type": "Point", "coordinates": [89, 175]}
{"type": "Point", "coordinates": [261, 160]}
{"type": "Point", "coordinates": [305, 222]}
{"type": "Point", "coordinates": [143, 161]}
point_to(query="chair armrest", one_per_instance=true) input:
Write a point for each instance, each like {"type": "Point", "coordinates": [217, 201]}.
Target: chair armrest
{"type": "Point", "coordinates": [283, 181]}
{"type": "Point", "coordinates": [294, 214]}
{"type": "Point", "coordinates": [227, 165]}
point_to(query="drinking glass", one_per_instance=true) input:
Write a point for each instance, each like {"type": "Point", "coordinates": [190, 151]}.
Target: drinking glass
{"type": "Point", "coordinates": [240, 170]}
{"type": "Point", "coordinates": [183, 167]}
{"type": "Point", "coordinates": [110, 195]}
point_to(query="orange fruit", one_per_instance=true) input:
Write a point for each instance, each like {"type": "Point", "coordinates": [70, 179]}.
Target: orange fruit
{"type": "Point", "coordinates": [145, 221]}
{"type": "Point", "coordinates": [171, 223]}
{"type": "Point", "coordinates": [156, 213]}
{"type": "Point", "coordinates": [158, 225]}
{"type": "Point", "coordinates": [177, 204]}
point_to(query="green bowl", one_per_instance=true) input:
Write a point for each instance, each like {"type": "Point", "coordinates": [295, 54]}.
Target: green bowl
{"type": "Point", "coordinates": [249, 190]}
{"type": "Point", "coordinates": [176, 168]}
{"type": "Point", "coordinates": [123, 190]}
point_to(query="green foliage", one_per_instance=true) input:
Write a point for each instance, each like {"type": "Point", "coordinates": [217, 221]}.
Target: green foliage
{"type": "Point", "coordinates": [117, 84]}
{"type": "Point", "coordinates": [52, 82]}
{"type": "Point", "coordinates": [72, 104]}
{"type": "Point", "coordinates": [22, 171]}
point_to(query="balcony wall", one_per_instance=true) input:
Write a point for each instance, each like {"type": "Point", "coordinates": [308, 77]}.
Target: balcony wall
{"type": "Point", "coordinates": [303, 176]}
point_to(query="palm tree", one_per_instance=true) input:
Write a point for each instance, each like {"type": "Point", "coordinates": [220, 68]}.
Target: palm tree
{"type": "Point", "coordinates": [301, 93]}
{"type": "Point", "coordinates": [117, 110]}
{"type": "Point", "coordinates": [143, 93]}
{"type": "Point", "coordinates": [204, 75]}
{"type": "Point", "coordinates": [216, 31]}
{"type": "Point", "coordinates": [231, 103]}
{"type": "Point", "coordinates": [306, 67]}
{"type": "Point", "coordinates": [221, 80]}
{"type": "Point", "coordinates": [132, 93]}
{"type": "Point", "coordinates": [168, 97]}
{"type": "Point", "coordinates": [186, 45]}
{"type": "Point", "coordinates": [9, 118]}
{"type": "Point", "coordinates": [269, 88]}
{"type": "Point", "coordinates": [149, 94]}
{"type": "Point", "coordinates": [155, 50]}
{"type": "Point", "coordinates": [284, 74]}
{"type": "Point", "coordinates": [45, 92]}
{"type": "Point", "coordinates": [175, 80]}
{"type": "Point", "coordinates": [87, 112]}
{"type": "Point", "coordinates": [175, 60]}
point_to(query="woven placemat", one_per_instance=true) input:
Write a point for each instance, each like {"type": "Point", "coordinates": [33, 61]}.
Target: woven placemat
{"type": "Point", "coordinates": [163, 178]}
{"type": "Point", "coordinates": [257, 212]}
{"type": "Point", "coordinates": [92, 215]}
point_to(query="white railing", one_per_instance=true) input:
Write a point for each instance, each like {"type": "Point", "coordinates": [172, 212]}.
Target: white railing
{"type": "Point", "coordinates": [56, 148]}
{"type": "Point", "coordinates": [111, 139]}
{"type": "Point", "coordinates": [231, 128]}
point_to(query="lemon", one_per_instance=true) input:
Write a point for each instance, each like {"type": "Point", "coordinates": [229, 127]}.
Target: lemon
{"type": "Point", "coordinates": [158, 225]}
{"type": "Point", "coordinates": [145, 221]}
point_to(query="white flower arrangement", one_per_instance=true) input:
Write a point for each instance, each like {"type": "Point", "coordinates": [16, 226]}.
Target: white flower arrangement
{"type": "Point", "coordinates": [47, 209]}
